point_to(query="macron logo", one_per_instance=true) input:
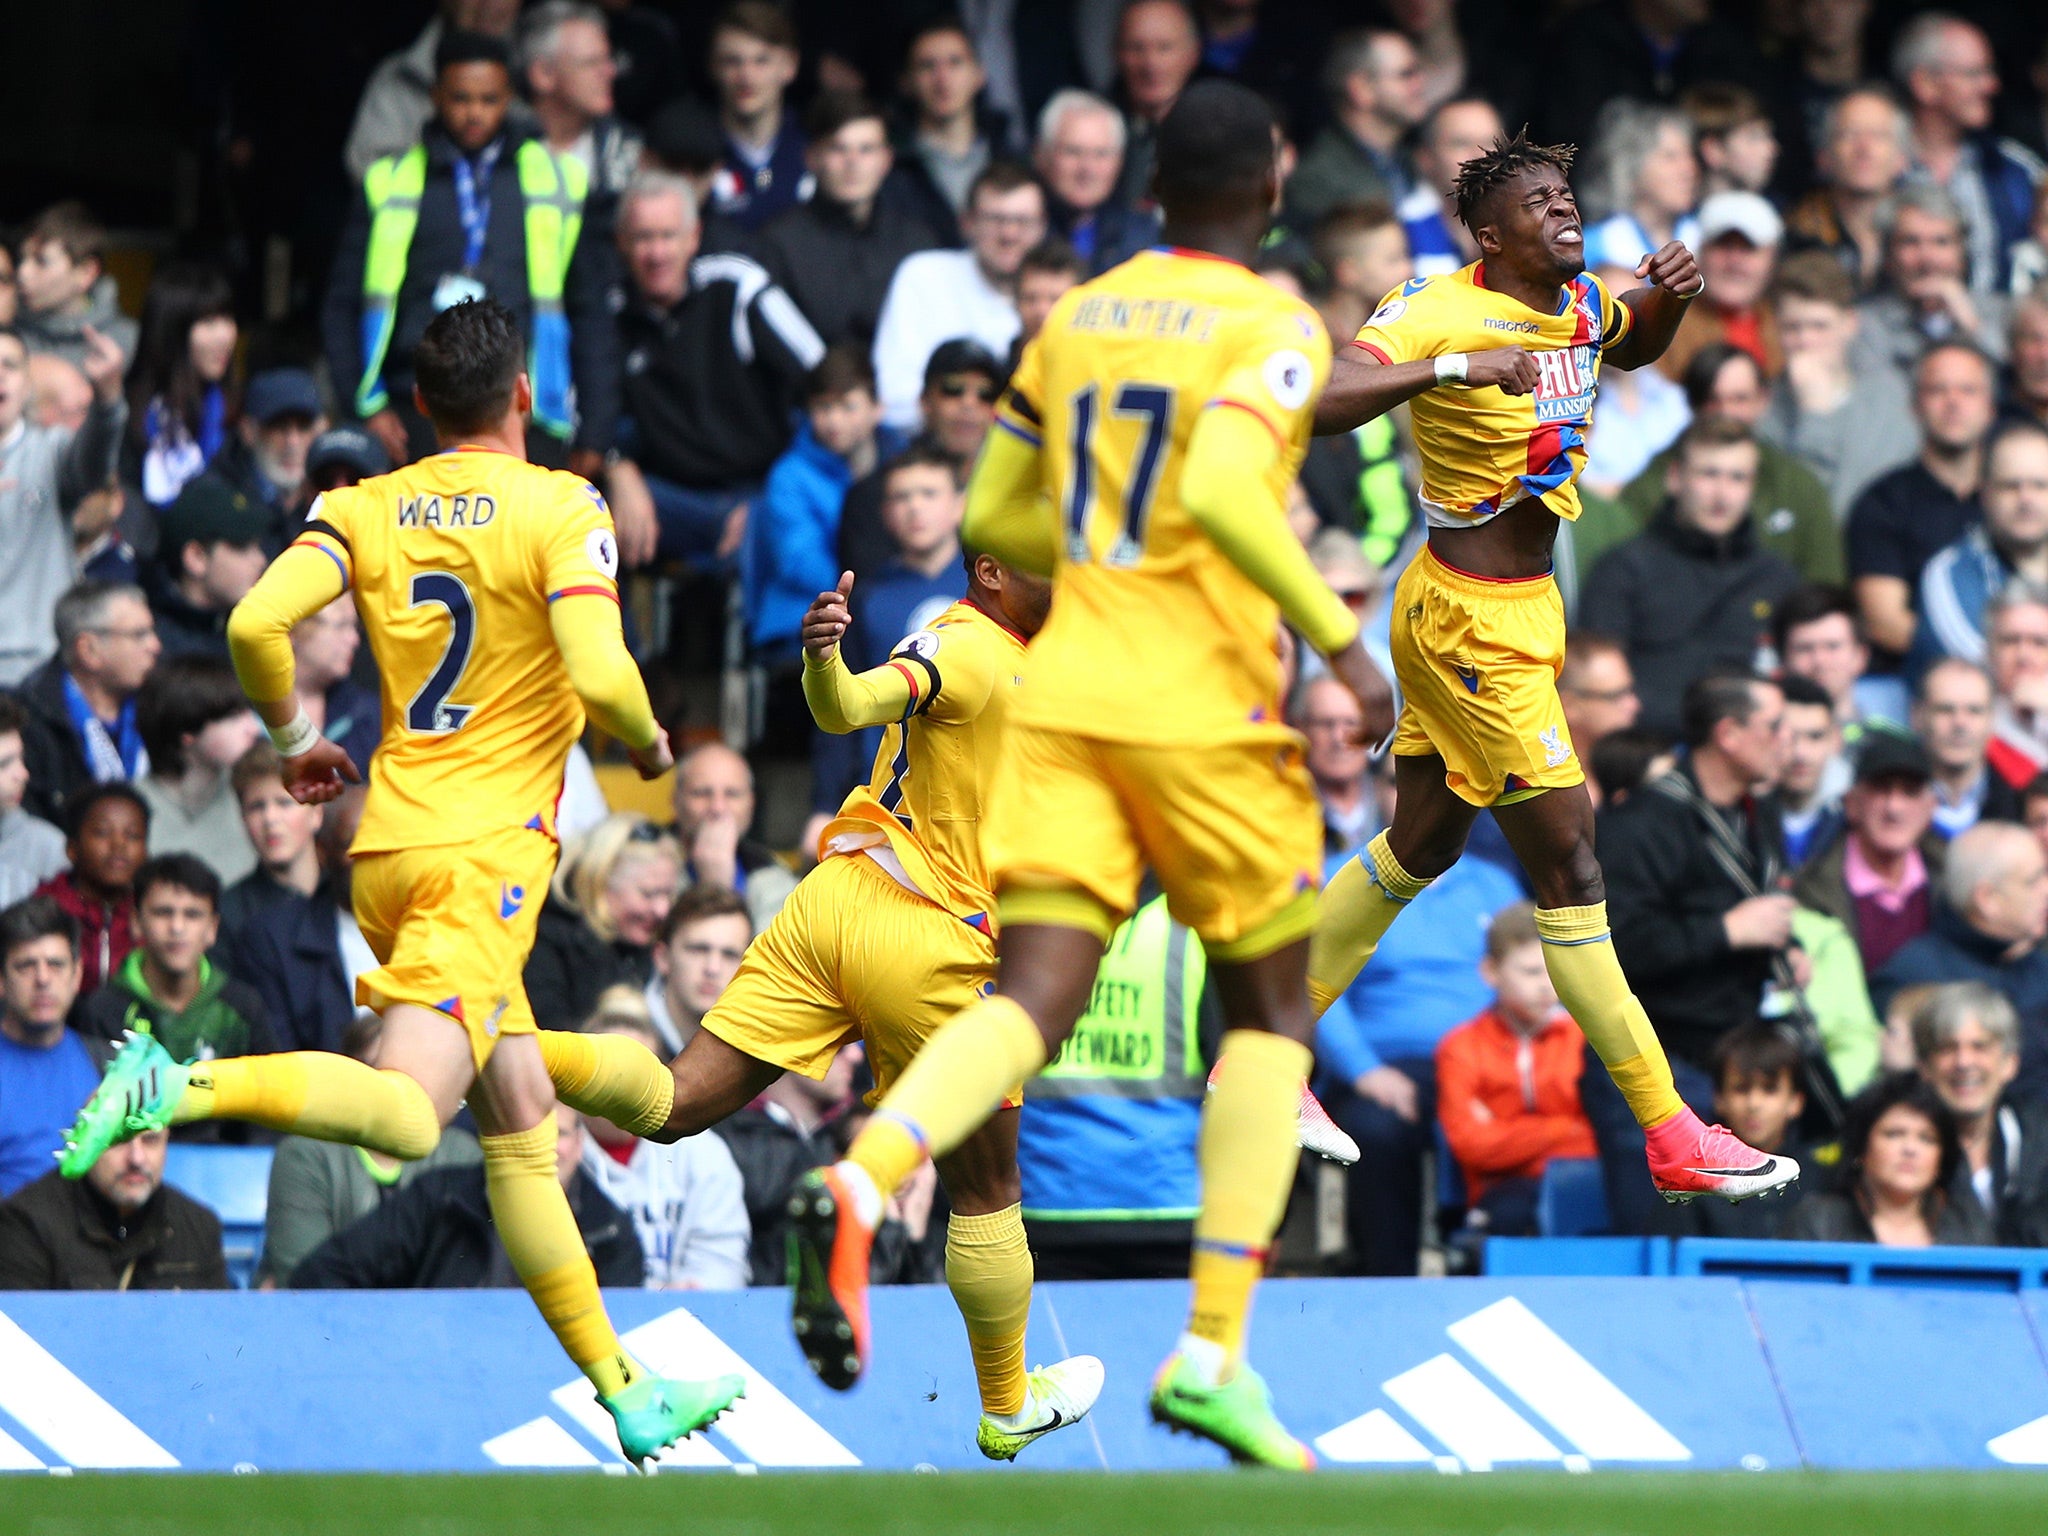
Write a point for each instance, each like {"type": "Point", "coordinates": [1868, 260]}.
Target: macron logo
{"type": "Point", "coordinates": [1480, 1428]}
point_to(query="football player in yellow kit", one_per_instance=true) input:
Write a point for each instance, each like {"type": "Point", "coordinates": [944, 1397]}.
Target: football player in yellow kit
{"type": "Point", "coordinates": [1142, 452]}
{"type": "Point", "coordinates": [487, 589]}
{"type": "Point", "coordinates": [1501, 361]}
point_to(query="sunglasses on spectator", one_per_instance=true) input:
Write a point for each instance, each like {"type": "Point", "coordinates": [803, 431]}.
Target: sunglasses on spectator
{"type": "Point", "coordinates": [953, 389]}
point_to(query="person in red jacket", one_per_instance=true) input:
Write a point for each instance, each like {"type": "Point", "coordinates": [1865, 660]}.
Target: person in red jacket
{"type": "Point", "coordinates": [109, 839]}
{"type": "Point", "coordinates": [1508, 1081]}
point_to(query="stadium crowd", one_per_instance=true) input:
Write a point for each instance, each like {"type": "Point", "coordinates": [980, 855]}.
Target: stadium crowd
{"type": "Point", "coordinates": [776, 263]}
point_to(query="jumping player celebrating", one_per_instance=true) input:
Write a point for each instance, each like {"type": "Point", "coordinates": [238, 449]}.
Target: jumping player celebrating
{"type": "Point", "coordinates": [1502, 361]}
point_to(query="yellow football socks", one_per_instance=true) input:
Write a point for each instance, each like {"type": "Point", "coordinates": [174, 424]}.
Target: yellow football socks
{"type": "Point", "coordinates": [1248, 1155]}
{"type": "Point", "coordinates": [541, 1238]}
{"type": "Point", "coordinates": [1578, 951]}
{"type": "Point", "coordinates": [988, 1268]}
{"type": "Point", "coordinates": [317, 1094]}
{"type": "Point", "coordinates": [610, 1076]}
{"type": "Point", "coordinates": [1357, 907]}
{"type": "Point", "coordinates": [955, 1083]}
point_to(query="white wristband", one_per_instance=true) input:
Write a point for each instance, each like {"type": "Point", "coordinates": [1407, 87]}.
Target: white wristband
{"type": "Point", "coordinates": [1695, 293]}
{"type": "Point", "coordinates": [1451, 367]}
{"type": "Point", "coordinates": [295, 737]}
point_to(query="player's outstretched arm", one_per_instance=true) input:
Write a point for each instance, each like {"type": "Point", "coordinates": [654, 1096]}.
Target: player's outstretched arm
{"type": "Point", "coordinates": [1008, 515]}
{"type": "Point", "coordinates": [606, 678]}
{"type": "Point", "coordinates": [298, 584]}
{"type": "Point", "coordinates": [1655, 311]}
{"type": "Point", "coordinates": [1362, 387]}
{"type": "Point", "coordinates": [908, 683]}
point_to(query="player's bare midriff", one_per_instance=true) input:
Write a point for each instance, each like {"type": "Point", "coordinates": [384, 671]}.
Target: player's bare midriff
{"type": "Point", "coordinates": [1514, 545]}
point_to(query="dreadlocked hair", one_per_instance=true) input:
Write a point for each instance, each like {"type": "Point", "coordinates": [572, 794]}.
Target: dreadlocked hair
{"type": "Point", "coordinates": [1484, 174]}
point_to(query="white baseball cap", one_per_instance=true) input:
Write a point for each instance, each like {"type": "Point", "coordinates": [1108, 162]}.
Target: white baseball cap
{"type": "Point", "coordinates": [1740, 213]}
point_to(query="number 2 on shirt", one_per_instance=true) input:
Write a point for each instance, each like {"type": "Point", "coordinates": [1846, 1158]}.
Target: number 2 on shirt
{"type": "Point", "coordinates": [429, 713]}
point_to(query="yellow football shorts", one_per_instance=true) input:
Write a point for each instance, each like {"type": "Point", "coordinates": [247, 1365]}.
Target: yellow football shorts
{"type": "Point", "coordinates": [1477, 661]}
{"type": "Point", "coordinates": [852, 955]}
{"type": "Point", "coordinates": [452, 927]}
{"type": "Point", "coordinates": [1232, 829]}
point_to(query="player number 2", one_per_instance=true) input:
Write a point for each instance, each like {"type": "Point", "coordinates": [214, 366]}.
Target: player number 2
{"type": "Point", "coordinates": [1153, 405]}
{"type": "Point", "coordinates": [430, 713]}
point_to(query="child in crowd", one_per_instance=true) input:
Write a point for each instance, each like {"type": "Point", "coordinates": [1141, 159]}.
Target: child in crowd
{"type": "Point", "coordinates": [31, 850]}
{"type": "Point", "coordinates": [1757, 1095]}
{"type": "Point", "coordinates": [1737, 147]}
{"type": "Point", "coordinates": [106, 841]}
{"type": "Point", "coordinates": [65, 292]}
{"type": "Point", "coordinates": [281, 835]}
{"type": "Point", "coordinates": [1508, 1081]}
{"type": "Point", "coordinates": [196, 724]}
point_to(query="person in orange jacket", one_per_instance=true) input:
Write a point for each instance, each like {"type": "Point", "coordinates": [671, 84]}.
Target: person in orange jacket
{"type": "Point", "coordinates": [1508, 1081]}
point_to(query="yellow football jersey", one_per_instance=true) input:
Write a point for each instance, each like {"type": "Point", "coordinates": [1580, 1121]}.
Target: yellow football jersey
{"type": "Point", "coordinates": [1483, 450]}
{"type": "Point", "coordinates": [453, 562]}
{"type": "Point", "coordinates": [1154, 635]}
{"type": "Point", "coordinates": [932, 772]}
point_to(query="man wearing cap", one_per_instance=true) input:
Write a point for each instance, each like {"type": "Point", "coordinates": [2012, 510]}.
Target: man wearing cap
{"type": "Point", "coordinates": [342, 456]}
{"type": "Point", "coordinates": [209, 554]}
{"type": "Point", "coordinates": [1878, 875]}
{"type": "Point", "coordinates": [266, 459]}
{"type": "Point", "coordinates": [1740, 234]}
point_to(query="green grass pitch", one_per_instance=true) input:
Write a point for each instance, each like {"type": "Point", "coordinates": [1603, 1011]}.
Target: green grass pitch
{"type": "Point", "coordinates": [877, 1504]}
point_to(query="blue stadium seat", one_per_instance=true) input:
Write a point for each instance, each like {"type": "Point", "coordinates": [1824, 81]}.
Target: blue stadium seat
{"type": "Point", "coordinates": [234, 1182]}
{"type": "Point", "coordinates": [1572, 1199]}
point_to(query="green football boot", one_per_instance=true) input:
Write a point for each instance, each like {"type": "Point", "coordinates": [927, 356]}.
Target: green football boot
{"type": "Point", "coordinates": [653, 1413]}
{"type": "Point", "coordinates": [141, 1089]}
{"type": "Point", "coordinates": [1236, 1414]}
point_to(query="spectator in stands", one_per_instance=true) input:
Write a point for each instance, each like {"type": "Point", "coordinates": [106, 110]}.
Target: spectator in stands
{"type": "Point", "coordinates": [1899, 1161]}
{"type": "Point", "coordinates": [1739, 235]}
{"type": "Point", "coordinates": [2017, 629]}
{"type": "Point", "coordinates": [1376, 1054]}
{"type": "Point", "coordinates": [1455, 132]}
{"type": "Point", "coordinates": [1508, 1081]}
{"type": "Point", "coordinates": [1757, 1069]}
{"type": "Point", "coordinates": [951, 135]}
{"type": "Point", "coordinates": [319, 1187]}
{"type": "Point", "coordinates": [685, 140]}
{"type": "Point", "coordinates": [715, 357]}
{"type": "Point", "coordinates": [208, 555]}
{"type": "Point", "coordinates": [81, 704]}
{"type": "Point", "coordinates": [1788, 508]}
{"type": "Point", "coordinates": [1989, 920]}
{"type": "Point", "coordinates": [1812, 772]}
{"type": "Point", "coordinates": [475, 207]}
{"type": "Point", "coordinates": [1733, 137]}
{"type": "Point", "coordinates": [1376, 92]}
{"type": "Point", "coordinates": [178, 404]}
{"type": "Point", "coordinates": [1966, 1039]}
{"type": "Point", "coordinates": [754, 59]}
{"type": "Point", "coordinates": [1952, 717]}
{"type": "Point", "coordinates": [1961, 581]}
{"type": "Point", "coordinates": [1644, 181]}
{"type": "Point", "coordinates": [1944, 68]}
{"type": "Point", "coordinates": [31, 849]}
{"type": "Point", "coordinates": [67, 298]}
{"type": "Point", "coordinates": [1080, 156]}
{"type": "Point", "coordinates": [48, 1072]}
{"type": "Point", "coordinates": [776, 1140]}
{"type": "Point", "coordinates": [324, 651]}
{"type": "Point", "coordinates": [714, 808]}
{"type": "Point", "coordinates": [344, 455]}
{"type": "Point", "coordinates": [842, 440]}
{"type": "Point", "coordinates": [196, 724]}
{"type": "Point", "coordinates": [1329, 716]}
{"type": "Point", "coordinates": [1598, 690]}
{"type": "Point", "coordinates": [566, 64]}
{"type": "Point", "coordinates": [701, 943]}
{"type": "Point", "coordinates": [1877, 875]}
{"type": "Point", "coordinates": [1048, 270]}
{"type": "Point", "coordinates": [1904, 518]}
{"type": "Point", "coordinates": [398, 101]}
{"type": "Point", "coordinates": [1848, 427]}
{"type": "Point", "coordinates": [1693, 592]}
{"type": "Point", "coordinates": [836, 252]}
{"type": "Point", "coordinates": [1158, 50]}
{"type": "Point", "coordinates": [1865, 151]}
{"type": "Point", "coordinates": [1363, 251]}
{"type": "Point", "coordinates": [281, 833]}
{"type": "Point", "coordinates": [266, 458]}
{"type": "Point", "coordinates": [2028, 395]}
{"type": "Point", "coordinates": [299, 945]}
{"type": "Point", "coordinates": [167, 987]}
{"type": "Point", "coordinates": [1925, 297]}
{"type": "Point", "coordinates": [604, 910]}
{"type": "Point", "coordinates": [120, 1228]}
{"type": "Point", "coordinates": [437, 1233]}
{"type": "Point", "coordinates": [938, 296]}
{"type": "Point", "coordinates": [1819, 634]}
{"type": "Point", "coordinates": [685, 1198]}
{"type": "Point", "coordinates": [106, 840]}
{"type": "Point", "coordinates": [45, 472]}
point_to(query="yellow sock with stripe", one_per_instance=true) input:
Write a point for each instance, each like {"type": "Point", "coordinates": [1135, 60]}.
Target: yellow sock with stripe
{"type": "Point", "coordinates": [541, 1238]}
{"type": "Point", "coordinates": [610, 1076]}
{"type": "Point", "coordinates": [1357, 907]}
{"type": "Point", "coordinates": [988, 1269]}
{"type": "Point", "coordinates": [1248, 1154]}
{"type": "Point", "coordinates": [1578, 951]}
{"type": "Point", "coordinates": [955, 1083]}
{"type": "Point", "coordinates": [317, 1094]}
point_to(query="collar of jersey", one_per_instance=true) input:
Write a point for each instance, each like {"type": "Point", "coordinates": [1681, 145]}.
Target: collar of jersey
{"type": "Point", "coordinates": [1193, 255]}
{"type": "Point", "coordinates": [1564, 300]}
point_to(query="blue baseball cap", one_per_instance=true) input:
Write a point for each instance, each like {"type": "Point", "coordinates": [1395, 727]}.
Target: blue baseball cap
{"type": "Point", "coordinates": [279, 392]}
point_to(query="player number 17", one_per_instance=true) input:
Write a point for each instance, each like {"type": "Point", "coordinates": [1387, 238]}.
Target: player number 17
{"type": "Point", "coordinates": [1151, 404]}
